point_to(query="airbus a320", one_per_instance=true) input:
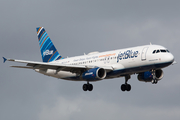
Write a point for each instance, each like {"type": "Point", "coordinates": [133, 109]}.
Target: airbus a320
{"type": "Point", "coordinates": [146, 61]}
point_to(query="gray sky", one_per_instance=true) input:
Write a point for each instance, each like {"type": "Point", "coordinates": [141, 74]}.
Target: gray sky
{"type": "Point", "coordinates": [78, 27]}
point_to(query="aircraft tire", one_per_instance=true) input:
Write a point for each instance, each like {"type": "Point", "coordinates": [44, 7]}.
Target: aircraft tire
{"type": "Point", "coordinates": [123, 87]}
{"type": "Point", "coordinates": [128, 87]}
{"type": "Point", "coordinates": [90, 87]}
{"type": "Point", "coordinates": [85, 87]}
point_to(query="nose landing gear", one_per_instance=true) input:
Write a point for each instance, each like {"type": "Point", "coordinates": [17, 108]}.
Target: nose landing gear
{"type": "Point", "coordinates": [154, 80]}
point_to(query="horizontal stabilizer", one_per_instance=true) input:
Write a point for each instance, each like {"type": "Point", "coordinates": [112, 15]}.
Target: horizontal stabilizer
{"type": "Point", "coordinates": [4, 59]}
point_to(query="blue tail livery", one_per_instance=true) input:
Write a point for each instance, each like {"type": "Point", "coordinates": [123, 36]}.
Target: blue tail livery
{"type": "Point", "coordinates": [48, 51]}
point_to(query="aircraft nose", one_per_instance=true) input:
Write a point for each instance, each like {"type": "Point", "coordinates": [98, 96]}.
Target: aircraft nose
{"type": "Point", "coordinates": [170, 58]}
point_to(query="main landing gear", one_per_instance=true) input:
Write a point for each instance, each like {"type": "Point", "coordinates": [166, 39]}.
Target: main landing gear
{"type": "Point", "coordinates": [126, 86]}
{"type": "Point", "coordinates": [87, 87]}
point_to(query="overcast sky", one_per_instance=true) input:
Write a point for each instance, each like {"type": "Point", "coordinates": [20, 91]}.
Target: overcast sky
{"type": "Point", "coordinates": [82, 26]}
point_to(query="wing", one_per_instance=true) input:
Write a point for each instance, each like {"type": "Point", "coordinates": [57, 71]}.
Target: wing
{"type": "Point", "coordinates": [56, 66]}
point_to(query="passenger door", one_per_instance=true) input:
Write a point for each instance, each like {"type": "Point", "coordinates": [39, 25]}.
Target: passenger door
{"type": "Point", "coordinates": [143, 55]}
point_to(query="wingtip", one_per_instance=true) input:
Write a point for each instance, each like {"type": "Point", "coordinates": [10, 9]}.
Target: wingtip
{"type": "Point", "coordinates": [4, 59]}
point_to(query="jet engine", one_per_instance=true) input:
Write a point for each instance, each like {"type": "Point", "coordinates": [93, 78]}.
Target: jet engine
{"type": "Point", "coordinates": [94, 74]}
{"type": "Point", "coordinates": [148, 76]}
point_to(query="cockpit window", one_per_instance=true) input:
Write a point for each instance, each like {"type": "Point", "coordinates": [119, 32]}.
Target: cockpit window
{"type": "Point", "coordinates": [157, 51]}
{"type": "Point", "coordinates": [163, 50]}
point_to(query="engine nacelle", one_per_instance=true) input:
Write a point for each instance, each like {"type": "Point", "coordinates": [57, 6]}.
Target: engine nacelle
{"type": "Point", "coordinates": [94, 74]}
{"type": "Point", "coordinates": [148, 77]}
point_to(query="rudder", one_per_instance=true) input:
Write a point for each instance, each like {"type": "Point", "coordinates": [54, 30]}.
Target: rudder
{"type": "Point", "coordinates": [48, 51]}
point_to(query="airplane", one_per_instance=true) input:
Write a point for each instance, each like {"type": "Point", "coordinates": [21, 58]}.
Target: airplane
{"type": "Point", "coordinates": [146, 61]}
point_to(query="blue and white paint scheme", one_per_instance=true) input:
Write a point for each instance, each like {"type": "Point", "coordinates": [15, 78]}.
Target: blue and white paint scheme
{"type": "Point", "coordinates": [146, 61]}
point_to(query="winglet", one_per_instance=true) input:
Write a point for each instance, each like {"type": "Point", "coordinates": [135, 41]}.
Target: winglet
{"type": "Point", "coordinates": [4, 59]}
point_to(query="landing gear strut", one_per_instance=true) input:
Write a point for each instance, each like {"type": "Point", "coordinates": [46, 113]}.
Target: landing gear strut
{"type": "Point", "coordinates": [87, 87]}
{"type": "Point", "coordinates": [126, 86]}
{"type": "Point", "coordinates": [154, 80]}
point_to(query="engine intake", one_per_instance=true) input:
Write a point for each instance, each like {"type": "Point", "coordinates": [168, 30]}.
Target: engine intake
{"type": "Point", "coordinates": [148, 77]}
{"type": "Point", "coordinates": [94, 74]}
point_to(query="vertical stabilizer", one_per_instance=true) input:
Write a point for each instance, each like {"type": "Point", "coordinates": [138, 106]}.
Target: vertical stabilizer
{"type": "Point", "coordinates": [48, 51]}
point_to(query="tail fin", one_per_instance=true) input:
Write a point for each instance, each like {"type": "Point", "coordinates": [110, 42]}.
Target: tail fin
{"type": "Point", "coordinates": [48, 50]}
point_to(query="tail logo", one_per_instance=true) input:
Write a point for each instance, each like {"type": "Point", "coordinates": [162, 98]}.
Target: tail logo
{"type": "Point", "coordinates": [47, 52]}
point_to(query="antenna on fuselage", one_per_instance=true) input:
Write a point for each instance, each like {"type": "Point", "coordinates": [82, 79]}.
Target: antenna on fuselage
{"type": "Point", "coordinates": [150, 43]}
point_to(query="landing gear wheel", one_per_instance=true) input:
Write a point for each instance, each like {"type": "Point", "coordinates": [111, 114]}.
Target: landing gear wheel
{"type": "Point", "coordinates": [128, 87]}
{"type": "Point", "coordinates": [85, 87]}
{"type": "Point", "coordinates": [90, 87]}
{"type": "Point", "coordinates": [125, 87]}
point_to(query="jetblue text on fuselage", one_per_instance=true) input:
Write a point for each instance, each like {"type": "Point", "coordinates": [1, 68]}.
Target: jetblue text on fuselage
{"type": "Point", "coordinates": [127, 54]}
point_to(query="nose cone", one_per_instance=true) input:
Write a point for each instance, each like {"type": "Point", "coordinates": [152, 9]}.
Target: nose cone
{"type": "Point", "coordinates": [169, 58]}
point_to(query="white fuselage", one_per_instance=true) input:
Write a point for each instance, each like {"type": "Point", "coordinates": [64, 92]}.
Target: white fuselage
{"type": "Point", "coordinates": [122, 61]}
